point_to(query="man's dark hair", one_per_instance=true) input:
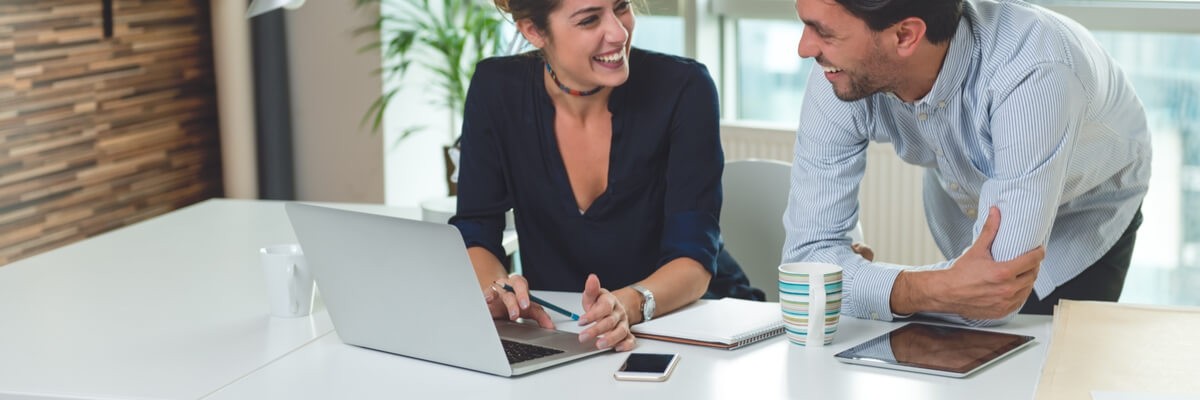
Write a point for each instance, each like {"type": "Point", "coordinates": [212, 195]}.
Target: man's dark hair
{"type": "Point", "coordinates": [940, 16]}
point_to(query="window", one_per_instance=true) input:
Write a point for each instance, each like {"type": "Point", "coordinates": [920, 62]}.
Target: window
{"type": "Point", "coordinates": [770, 76]}
{"type": "Point", "coordinates": [1163, 70]}
{"type": "Point", "coordinates": [663, 34]}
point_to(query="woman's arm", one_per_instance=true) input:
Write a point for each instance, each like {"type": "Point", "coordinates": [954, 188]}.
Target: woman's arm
{"type": "Point", "coordinates": [488, 268]}
{"type": "Point", "coordinates": [691, 232]}
{"type": "Point", "coordinates": [680, 282]}
{"type": "Point", "coordinates": [483, 198]}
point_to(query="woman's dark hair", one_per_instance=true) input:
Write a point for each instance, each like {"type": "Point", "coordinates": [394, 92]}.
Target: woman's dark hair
{"type": "Point", "coordinates": [537, 11]}
{"type": "Point", "coordinates": [940, 16]}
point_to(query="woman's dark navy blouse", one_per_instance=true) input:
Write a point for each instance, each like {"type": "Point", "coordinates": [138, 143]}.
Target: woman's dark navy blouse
{"type": "Point", "coordinates": [663, 198]}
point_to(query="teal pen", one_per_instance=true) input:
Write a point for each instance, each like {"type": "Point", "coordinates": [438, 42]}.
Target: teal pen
{"type": "Point", "coordinates": [547, 304]}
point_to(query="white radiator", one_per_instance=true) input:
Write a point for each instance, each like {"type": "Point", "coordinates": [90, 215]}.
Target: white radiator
{"type": "Point", "coordinates": [892, 217]}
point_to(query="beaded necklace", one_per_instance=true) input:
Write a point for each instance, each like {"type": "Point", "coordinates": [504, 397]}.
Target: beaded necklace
{"type": "Point", "coordinates": [568, 90]}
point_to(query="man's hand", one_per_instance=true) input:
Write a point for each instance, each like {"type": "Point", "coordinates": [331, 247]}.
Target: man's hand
{"type": "Point", "coordinates": [975, 286]}
{"type": "Point", "coordinates": [863, 250]}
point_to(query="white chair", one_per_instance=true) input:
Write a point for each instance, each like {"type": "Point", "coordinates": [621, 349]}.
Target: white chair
{"type": "Point", "coordinates": [756, 196]}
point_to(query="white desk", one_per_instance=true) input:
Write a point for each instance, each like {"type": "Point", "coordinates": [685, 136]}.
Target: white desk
{"type": "Point", "coordinates": [775, 369]}
{"type": "Point", "coordinates": [175, 308]}
{"type": "Point", "coordinates": [170, 308]}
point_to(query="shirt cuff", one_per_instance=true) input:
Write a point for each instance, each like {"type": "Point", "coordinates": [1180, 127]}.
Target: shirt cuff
{"type": "Point", "coordinates": [691, 234]}
{"type": "Point", "coordinates": [873, 292]}
{"type": "Point", "coordinates": [486, 233]}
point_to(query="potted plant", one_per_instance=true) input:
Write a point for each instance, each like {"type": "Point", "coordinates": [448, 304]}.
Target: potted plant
{"type": "Point", "coordinates": [448, 38]}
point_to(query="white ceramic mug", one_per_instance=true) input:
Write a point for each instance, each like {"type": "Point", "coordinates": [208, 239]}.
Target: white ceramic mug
{"type": "Point", "coordinates": [810, 297]}
{"type": "Point", "coordinates": [290, 288]}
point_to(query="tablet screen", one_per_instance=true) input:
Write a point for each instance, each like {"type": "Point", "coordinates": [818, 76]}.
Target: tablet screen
{"type": "Point", "coordinates": [935, 347]}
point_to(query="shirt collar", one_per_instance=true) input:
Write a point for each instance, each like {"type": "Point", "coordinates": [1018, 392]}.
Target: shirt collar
{"type": "Point", "coordinates": [959, 59]}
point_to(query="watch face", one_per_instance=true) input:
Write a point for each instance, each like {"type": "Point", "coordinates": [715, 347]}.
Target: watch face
{"type": "Point", "coordinates": [647, 302]}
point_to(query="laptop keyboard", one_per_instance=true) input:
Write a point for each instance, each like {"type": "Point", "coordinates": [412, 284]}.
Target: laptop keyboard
{"type": "Point", "coordinates": [519, 352]}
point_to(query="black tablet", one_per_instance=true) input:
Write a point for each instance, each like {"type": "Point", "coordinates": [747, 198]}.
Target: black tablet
{"type": "Point", "coordinates": [935, 349]}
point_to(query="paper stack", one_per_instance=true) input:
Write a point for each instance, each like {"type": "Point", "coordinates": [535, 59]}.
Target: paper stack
{"type": "Point", "coordinates": [1141, 351]}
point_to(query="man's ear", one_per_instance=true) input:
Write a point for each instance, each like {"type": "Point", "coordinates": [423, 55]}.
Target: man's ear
{"type": "Point", "coordinates": [908, 33]}
{"type": "Point", "coordinates": [531, 33]}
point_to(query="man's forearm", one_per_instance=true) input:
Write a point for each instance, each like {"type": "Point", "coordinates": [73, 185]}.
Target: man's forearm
{"type": "Point", "coordinates": [922, 292]}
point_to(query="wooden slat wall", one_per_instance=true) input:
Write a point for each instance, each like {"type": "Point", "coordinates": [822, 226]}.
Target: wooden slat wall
{"type": "Point", "coordinates": [97, 133]}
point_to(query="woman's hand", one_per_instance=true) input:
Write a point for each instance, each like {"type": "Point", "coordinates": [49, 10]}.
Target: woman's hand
{"type": "Point", "coordinates": [515, 304]}
{"type": "Point", "coordinates": [611, 322]}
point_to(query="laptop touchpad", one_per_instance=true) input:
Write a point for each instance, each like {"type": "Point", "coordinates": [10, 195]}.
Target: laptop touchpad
{"type": "Point", "coordinates": [513, 330]}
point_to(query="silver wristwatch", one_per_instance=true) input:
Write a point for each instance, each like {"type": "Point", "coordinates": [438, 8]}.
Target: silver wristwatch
{"type": "Point", "coordinates": [647, 302]}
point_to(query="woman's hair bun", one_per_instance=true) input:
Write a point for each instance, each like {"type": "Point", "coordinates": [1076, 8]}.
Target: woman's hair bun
{"type": "Point", "coordinates": [502, 5]}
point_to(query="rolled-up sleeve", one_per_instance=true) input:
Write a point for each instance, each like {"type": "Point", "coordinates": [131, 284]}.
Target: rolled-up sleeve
{"type": "Point", "coordinates": [483, 195]}
{"type": "Point", "coordinates": [694, 166]}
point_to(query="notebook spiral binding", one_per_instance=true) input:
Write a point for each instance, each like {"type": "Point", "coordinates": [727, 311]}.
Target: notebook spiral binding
{"type": "Point", "coordinates": [758, 336]}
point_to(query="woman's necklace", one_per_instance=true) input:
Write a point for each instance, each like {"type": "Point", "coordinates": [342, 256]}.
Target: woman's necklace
{"type": "Point", "coordinates": [568, 90]}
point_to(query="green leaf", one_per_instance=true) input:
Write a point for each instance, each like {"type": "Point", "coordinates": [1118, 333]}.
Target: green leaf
{"type": "Point", "coordinates": [369, 46]}
{"type": "Point", "coordinates": [448, 41]}
{"type": "Point", "coordinates": [405, 133]}
{"type": "Point", "coordinates": [376, 111]}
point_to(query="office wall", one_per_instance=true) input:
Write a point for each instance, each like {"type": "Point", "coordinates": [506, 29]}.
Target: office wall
{"type": "Point", "coordinates": [97, 133]}
{"type": "Point", "coordinates": [415, 165]}
{"type": "Point", "coordinates": [332, 86]}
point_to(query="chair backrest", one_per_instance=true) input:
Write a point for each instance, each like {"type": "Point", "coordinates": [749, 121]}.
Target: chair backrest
{"type": "Point", "coordinates": [756, 196]}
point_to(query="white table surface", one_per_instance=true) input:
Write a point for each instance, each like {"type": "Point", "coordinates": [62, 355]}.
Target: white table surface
{"type": "Point", "coordinates": [773, 369]}
{"type": "Point", "coordinates": [170, 308]}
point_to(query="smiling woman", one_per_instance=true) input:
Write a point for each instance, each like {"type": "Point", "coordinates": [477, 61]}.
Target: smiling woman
{"type": "Point", "coordinates": [590, 47]}
{"type": "Point", "coordinates": [611, 159]}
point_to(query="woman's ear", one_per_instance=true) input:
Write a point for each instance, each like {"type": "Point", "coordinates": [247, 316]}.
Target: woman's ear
{"type": "Point", "coordinates": [531, 33]}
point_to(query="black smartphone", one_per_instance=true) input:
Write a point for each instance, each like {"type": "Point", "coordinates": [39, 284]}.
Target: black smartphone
{"type": "Point", "coordinates": [647, 367]}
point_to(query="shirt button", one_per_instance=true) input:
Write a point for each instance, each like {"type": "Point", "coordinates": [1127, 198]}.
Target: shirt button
{"type": "Point", "coordinates": [970, 212]}
{"type": "Point", "coordinates": [941, 104]}
{"type": "Point", "coordinates": [922, 116]}
{"type": "Point", "coordinates": [875, 316]}
{"type": "Point", "coordinates": [954, 186]}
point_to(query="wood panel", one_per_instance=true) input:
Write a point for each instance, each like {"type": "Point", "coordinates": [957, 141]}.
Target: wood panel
{"type": "Point", "coordinates": [98, 133]}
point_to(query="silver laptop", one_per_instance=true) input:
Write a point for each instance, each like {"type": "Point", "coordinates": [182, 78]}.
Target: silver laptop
{"type": "Point", "coordinates": [407, 287]}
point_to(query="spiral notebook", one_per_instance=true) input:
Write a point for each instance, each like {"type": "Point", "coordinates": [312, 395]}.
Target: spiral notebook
{"type": "Point", "coordinates": [726, 323]}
